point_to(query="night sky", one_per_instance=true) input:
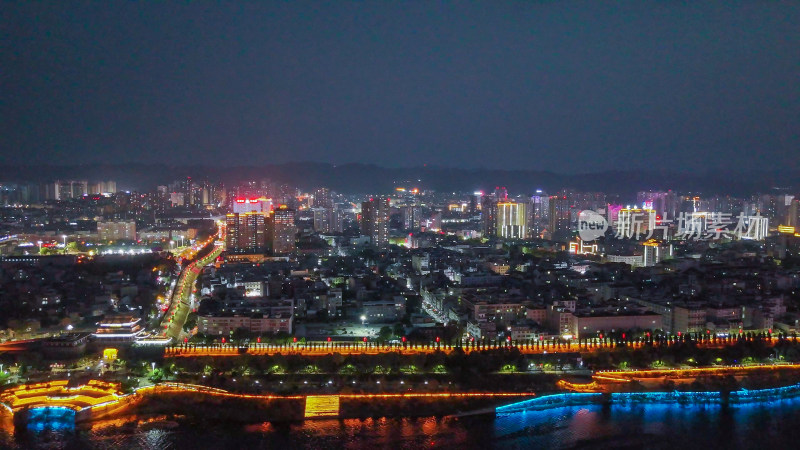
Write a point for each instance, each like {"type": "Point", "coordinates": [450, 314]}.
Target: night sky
{"type": "Point", "coordinates": [548, 85]}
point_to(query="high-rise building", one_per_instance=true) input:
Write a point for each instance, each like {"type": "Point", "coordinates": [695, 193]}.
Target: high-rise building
{"type": "Point", "coordinates": [538, 213]}
{"type": "Point", "coordinates": [260, 205]}
{"type": "Point", "coordinates": [282, 230]}
{"type": "Point", "coordinates": [102, 187]}
{"type": "Point", "coordinates": [664, 203]}
{"type": "Point", "coordinates": [511, 220]}
{"type": "Point", "coordinates": [792, 218]}
{"type": "Point", "coordinates": [327, 220]}
{"type": "Point", "coordinates": [245, 232]}
{"type": "Point", "coordinates": [489, 216]}
{"type": "Point", "coordinates": [322, 198]}
{"type": "Point", "coordinates": [116, 230]}
{"type": "Point", "coordinates": [412, 217]}
{"type": "Point", "coordinates": [475, 202]}
{"type": "Point", "coordinates": [375, 221]}
{"type": "Point", "coordinates": [560, 212]}
{"type": "Point", "coordinates": [655, 252]}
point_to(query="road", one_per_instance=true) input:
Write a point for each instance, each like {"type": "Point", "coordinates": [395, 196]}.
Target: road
{"type": "Point", "coordinates": [181, 304]}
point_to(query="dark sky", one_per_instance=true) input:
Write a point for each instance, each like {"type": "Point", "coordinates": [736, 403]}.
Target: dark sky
{"type": "Point", "coordinates": [562, 86]}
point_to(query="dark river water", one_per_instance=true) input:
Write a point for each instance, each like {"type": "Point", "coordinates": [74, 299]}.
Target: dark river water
{"type": "Point", "coordinates": [768, 425]}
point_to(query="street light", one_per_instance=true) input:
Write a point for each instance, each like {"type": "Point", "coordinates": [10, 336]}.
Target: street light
{"type": "Point", "coordinates": [153, 365]}
{"type": "Point", "coordinates": [363, 318]}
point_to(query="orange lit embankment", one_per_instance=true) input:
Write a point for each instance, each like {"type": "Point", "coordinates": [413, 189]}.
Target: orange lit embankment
{"type": "Point", "coordinates": [98, 398]}
{"type": "Point", "coordinates": [184, 387]}
{"type": "Point", "coordinates": [627, 375]}
{"type": "Point", "coordinates": [322, 348]}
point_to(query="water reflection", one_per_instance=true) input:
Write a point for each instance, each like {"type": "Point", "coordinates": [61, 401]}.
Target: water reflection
{"type": "Point", "coordinates": [774, 424]}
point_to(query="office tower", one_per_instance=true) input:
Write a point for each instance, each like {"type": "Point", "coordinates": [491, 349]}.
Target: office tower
{"type": "Point", "coordinates": [282, 230]}
{"type": "Point", "coordinates": [375, 221]}
{"type": "Point", "coordinates": [489, 216]}
{"type": "Point", "coordinates": [511, 220]}
{"type": "Point", "coordinates": [500, 193]}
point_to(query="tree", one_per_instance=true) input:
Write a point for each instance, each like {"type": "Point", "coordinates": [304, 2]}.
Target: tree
{"type": "Point", "coordinates": [240, 334]}
{"type": "Point", "coordinates": [385, 334]}
{"type": "Point", "coordinates": [191, 322]}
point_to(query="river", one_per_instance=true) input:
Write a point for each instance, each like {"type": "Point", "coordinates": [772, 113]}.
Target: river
{"type": "Point", "coordinates": [775, 424]}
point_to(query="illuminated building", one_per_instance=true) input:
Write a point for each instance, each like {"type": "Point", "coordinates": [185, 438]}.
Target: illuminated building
{"type": "Point", "coordinates": [655, 252]}
{"type": "Point", "coordinates": [588, 325]}
{"type": "Point", "coordinates": [511, 220]}
{"type": "Point", "coordinates": [327, 220]}
{"type": "Point", "coordinates": [500, 193]}
{"type": "Point", "coordinates": [664, 203]}
{"type": "Point", "coordinates": [489, 216]}
{"type": "Point", "coordinates": [631, 260]}
{"type": "Point", "coordinates": [282, 231]}
{"type": "Point", "coordinates": [412, 217]}
{"type": "Point", "coordinates": [538, 214]}
{"type": "Point", "coordinates": [122, 329]}
{"type": "Point", "coordinates": [375, 221]}
{"type": "Point", "coordinates": [560, 216]}
{"type": "Point", "coordinates": [245, 232]}
{"type": "Point", "coordinates": [793, 213]}
{"type": "Point", "coordinates": [66, 189]}
{"type": "Point", "coordinates": [103, 187]}
{"type": "Point", "coordinates": [475, 202]}
{"type": "Point", "coordinates": [176, 198]}
{"type": "Point", "coordinates": [116, 230]}
{"type": "Point", "coordinates": [322, 198]}
{"type": "Point", "coordinates": [255, 323]}
{"type": "Point", "coordinates": [612, 213]}
{"type": "Point", "coordinates": [384, 310]}
{"type": "Point", "coordinates": [579, 247]}
{"type": "Point", "coordinates": [243, 205]}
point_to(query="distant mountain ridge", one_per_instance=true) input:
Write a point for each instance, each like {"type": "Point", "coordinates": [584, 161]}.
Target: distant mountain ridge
{"type": "Point", "coordinates": [366, 178]}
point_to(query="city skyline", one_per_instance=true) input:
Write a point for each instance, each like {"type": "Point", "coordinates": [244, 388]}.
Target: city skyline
{"type": "Point", "coordinates": [383, 224]}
